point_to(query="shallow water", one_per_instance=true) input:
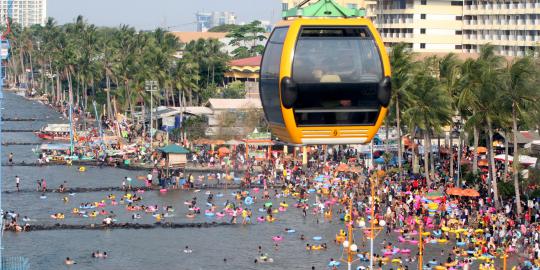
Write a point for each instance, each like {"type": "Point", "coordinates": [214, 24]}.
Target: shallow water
{"type": "Point", "coordinates": [150, 248]}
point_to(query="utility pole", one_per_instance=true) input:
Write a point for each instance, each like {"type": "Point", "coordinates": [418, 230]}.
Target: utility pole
{"type": "Point", "coordinates": [151, 86]}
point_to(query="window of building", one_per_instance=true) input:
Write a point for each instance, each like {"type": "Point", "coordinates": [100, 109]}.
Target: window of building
{"type": "Point", "coordinates": [422, 30]}
{"type": "Point", "coordinates": [423, 2]}
{"type": "Point", "coordinates": [459, 18]}
{"type": "Point", "coordinates": [423, 16]}
{"type": "Point", "coordinates": [284, 6]}
{"type": "Point", "coordinates": [459, 32]}
{"type": "Point", "coordinates": [459, 47]}
{"type": "Point", "coordinates": [422, 45]}
{"type": "Point", "coordinates": [456, 3]}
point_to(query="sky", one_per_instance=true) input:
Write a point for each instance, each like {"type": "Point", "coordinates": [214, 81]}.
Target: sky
{"type": "Point", "coordinates": [176, 15]}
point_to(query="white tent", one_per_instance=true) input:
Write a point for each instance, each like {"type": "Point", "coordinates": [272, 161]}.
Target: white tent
{"type": "Point", "coordinates": [526, 160]}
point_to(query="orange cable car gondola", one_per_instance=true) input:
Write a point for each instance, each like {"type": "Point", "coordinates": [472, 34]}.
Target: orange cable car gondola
{"type": "Point", "coordinates": [325, 80]}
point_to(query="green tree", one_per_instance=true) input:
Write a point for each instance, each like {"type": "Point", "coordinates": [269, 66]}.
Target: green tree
{"type": "Point", "coordinates": [235, 89]}
{"type": "Point", "coordinates": [481, 97]}
{"type": "Point", "coordinates": [224, 28]}
{"type": "Point", "coordinates": [247, 39]}
{"type": "Point", "coordinates": [429, 107]}
{"type": "Point", "coordinates": [520, 93]}
{"type": "Point", "coordinates": [403, 68]}
{"type": "Point", "coordinates": [449, 74]}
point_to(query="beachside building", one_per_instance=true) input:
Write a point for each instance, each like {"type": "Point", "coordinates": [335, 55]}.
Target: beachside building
{"type": "Point", "coordinates": [23, 12]}
{"type": "Point", "coordinates": [460, 26]}
{"type": "Point", "coordinates": [233, 117]}
{"type": "Point", "coordinates": [244, 69]}
{"type": "Point", "coordinates": [207, 20]}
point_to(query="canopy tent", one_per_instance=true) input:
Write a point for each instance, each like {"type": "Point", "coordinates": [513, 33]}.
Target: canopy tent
{"type": "Point", "coordinates": [526, 160]}
{"type": "Point", "coordinates": [173, 149]}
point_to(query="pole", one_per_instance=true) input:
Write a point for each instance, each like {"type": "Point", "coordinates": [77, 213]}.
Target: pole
{"type": "Point", "coordinates": [371, 149]}
{"type": "Point", "coordinates": [151, 123]}
{"type": "Point", "coordinates": [304, 157]}
{"type": "Point", "coordinates": [420, 247]}
{"type": "Point", "coordinates": [349, 253]}
{"type": "Point", "coordinates": [1, 115]}
{"type": "Point", "coordinates": [151, 86]}
{"type": "Point", "coordinates": [71, 146]}
{"type": "Point", "coordinates": [372, 222]}
{"type": "Point", "coordinates": [459, 161]}
{"type": "Point", "coordinates": [99, 123]}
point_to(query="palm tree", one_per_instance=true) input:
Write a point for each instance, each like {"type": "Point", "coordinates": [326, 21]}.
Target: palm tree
{"type": "Point", "coordinates": [403, 67]}
{"type": "Point", "coordinates": [449, 73]}
{"type": "Point", "coordinates": [429, 108]}
{"type": "Point", "coordinates": [481, 95]}
{"type": "Point", "coordinates": [186, 77]}
{"type": "Point", "coordinates": [520, 92]}
{"type": "Point", "coordinates": [469, 84]}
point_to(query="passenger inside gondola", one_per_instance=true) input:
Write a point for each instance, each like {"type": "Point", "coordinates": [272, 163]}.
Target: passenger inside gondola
{"type": "Point", "coordinates": [337, 73]}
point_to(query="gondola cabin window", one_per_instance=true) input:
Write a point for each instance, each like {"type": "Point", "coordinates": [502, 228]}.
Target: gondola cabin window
{"type": "Point", "coordinates": [337, 71]}
{"type": "Point", "coordinates": [269, 83]}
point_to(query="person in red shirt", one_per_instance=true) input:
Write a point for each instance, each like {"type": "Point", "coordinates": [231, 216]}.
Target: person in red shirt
{"type": "Point", "coordinates": [486, 220]}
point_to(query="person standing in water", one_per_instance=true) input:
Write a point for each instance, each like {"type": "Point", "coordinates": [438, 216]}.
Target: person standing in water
{"type": "Point", "coordinates": [10, 158]}
{"type": "Point", "coordinates": [17, 182]}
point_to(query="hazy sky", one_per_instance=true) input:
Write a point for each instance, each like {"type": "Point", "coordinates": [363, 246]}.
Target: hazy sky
{"type": "Point", "coordinates": [149, 14]}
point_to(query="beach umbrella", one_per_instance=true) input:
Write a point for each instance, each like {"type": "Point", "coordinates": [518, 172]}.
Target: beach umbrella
{"type": "Point", "coordinates": [379, 160]}
{"type": "Point", "coordinates": [343, 168]}
{"type": "Point", "coordinates": [223, 151]}
{"type": "Point", "coordinates": [453, 191]}
{"type": "Point", "coordinates": [470, 193]}
{"type": "Point", "coordinates": [434, 195]}
{"type": "Point", "coordinates": [481, 149]}
{"type": "Point", "coordinates": [483, 163]}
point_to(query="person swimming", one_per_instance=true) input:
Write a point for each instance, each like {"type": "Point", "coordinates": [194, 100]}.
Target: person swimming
{"type": "Point", "coordinates": [188, 250]}
{"type": "Point", "coordinates": [69, 261]}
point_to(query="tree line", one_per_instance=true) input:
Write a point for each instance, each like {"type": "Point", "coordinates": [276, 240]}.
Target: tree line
{"type": "Point", "coordinates": [77, 63]}
{"type": "Point", "coordinates": [489, 94]}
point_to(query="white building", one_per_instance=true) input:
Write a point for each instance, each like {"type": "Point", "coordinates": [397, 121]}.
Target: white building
{"type": "Point", "coordinates": [207, 20]}
{"type": "Point", "coordinates": [24, 12]}
{"type": "Point", "coordinates": [460, 26]}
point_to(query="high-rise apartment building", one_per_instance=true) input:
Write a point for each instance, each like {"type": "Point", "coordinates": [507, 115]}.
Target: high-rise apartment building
{"type": "Point", "coordinates": [460, 26]}
{"type": "Point", "coordinates": [513, 26]}
{"type": "Point", "coordinates": [24, 12]}
{"type": "Point", "coordinates": [426, 25]}
{"type": "Point", "coordinates": [433, 26]}
{"type": "Point", "coordinates": [207, 20]}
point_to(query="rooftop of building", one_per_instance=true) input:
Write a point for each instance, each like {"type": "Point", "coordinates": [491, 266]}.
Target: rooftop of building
{"type": "Point", "coordinates": [233, 103]}
{"type": "Point", "coordinates": [249, 61]}
{"type": "Point", "coordinates": [187, 37]}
